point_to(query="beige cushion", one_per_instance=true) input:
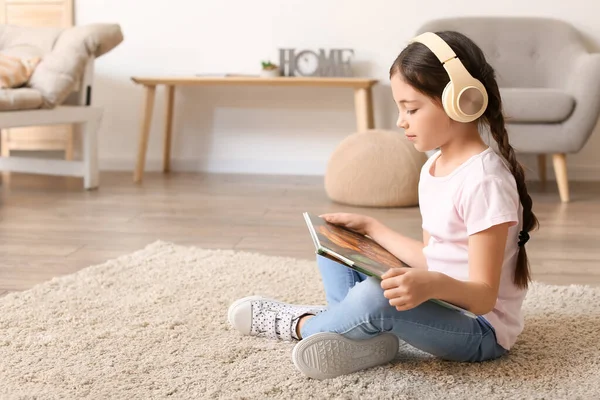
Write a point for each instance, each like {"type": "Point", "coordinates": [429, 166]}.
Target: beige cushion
{"type": "Point", "coordinates": [376, 168]}
{"type": "Point", "coordinates": [541, 105]}
{"type": "Point", "coordinates": [22, 41]}
{"type": "Point", "coordinates": [20, 99]}
{"type": "Point", "coordinates": [15, 71]}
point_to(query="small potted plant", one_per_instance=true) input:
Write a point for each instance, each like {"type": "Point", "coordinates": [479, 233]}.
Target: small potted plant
{"type": "Point", "coordinates": [269, 70]}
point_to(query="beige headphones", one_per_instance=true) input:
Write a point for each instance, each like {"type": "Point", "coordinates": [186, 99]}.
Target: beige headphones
{"type": "Point", "coordinates": [464, 98]}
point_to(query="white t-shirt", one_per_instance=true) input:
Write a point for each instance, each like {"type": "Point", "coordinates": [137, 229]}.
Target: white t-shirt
{"type": "Point", "coordinates": [477, 195]}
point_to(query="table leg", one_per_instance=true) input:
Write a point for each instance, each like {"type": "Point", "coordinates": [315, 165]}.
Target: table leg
{"type": "Point", "coordinates": [149, 95]}
{"type": "Point", "coordinates": [168, 128]}
{"type": "Point", "coordinates": [363, 104]}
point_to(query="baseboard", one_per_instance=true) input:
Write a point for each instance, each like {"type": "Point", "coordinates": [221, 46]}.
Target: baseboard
{"type": "Point", "coordinates": [235, 166]}
{"type": "Point", "coordinates": [126, 164]}
{"type": "Point", "coordinates": [296, 167]}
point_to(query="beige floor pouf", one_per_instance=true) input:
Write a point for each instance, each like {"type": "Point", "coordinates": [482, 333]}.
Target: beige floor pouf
{"type": "Point", "coordinates": [376, 168]}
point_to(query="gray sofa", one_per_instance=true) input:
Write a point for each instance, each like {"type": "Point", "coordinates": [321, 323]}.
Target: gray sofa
{"type": "Point", "coordinates": [549, 82]}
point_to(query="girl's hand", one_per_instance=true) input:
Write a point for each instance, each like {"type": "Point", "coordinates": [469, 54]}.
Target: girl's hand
{"type": "Point", "coordinates": [406, 288]}
{"type": "Point", "coordinates": [356, 222]}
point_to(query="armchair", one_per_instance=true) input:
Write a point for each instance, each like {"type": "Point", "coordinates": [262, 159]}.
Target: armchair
{"type": "Point", "coordinates": [58, 92]}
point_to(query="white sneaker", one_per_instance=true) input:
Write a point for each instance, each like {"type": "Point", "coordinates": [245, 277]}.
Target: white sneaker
{"type": "Point", "coordinates": [328, 355]}
{"type": "Point", "coordinates": [259, 316]}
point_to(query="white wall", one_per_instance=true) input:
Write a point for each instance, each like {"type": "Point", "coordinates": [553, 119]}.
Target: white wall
{"type": "Point", "coordinates": [268, 130]}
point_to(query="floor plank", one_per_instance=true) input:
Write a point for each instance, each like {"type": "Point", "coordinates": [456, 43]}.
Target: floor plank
{"type": "Point", "coordinates": [50, 227]}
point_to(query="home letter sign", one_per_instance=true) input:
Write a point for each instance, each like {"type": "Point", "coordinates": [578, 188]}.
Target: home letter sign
{"type": "Point", "coordinates": [311, 63]}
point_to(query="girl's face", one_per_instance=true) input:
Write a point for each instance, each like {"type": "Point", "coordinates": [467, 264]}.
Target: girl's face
{"type": "Point", "coordinates": [424, 121]}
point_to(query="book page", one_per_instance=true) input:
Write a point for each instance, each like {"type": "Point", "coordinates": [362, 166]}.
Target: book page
{"type": "Point", "coordinates": [362, 250]}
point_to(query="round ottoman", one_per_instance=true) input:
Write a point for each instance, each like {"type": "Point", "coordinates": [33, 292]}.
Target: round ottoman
{"type": "Point", "coordinates": [375, 168]}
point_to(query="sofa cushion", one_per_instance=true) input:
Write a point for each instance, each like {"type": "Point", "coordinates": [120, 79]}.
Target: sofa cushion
{"type": "Point", "coordinates": [26, 41]}
{"type": "Point", "coordinates": [536, 105]}
{"type": "Point", "coordinates": [20, 99]}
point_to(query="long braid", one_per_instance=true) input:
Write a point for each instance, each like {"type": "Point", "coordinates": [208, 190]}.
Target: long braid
{"type": "Point", "coordinates": [495, 119]}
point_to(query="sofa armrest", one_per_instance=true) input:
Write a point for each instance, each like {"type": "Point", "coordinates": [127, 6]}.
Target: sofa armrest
{"type": "Point", "coordinates": [584, 85]}
{"type": "Point", "coordinates": [97, 39]}
{"type": "Point", "coordinates": [60, 71]}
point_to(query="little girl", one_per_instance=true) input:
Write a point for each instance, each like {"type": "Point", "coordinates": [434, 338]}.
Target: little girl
{"type": "Point", "coordinates": [476, 217]}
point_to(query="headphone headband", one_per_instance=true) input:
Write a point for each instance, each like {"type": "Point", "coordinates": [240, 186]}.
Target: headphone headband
{"type": "Point", "coordinates": [437, 45]}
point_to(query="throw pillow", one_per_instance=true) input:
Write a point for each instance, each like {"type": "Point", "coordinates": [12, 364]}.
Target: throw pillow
{"type": "Point", "coordinates": [15, 72]}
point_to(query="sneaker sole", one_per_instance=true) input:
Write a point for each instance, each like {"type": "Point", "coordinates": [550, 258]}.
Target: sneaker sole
{"type": "Point", "coordinates": [328, 355]}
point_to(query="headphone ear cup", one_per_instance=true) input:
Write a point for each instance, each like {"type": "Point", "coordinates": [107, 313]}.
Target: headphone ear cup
{"type": "Point", "coordinates": [447, 101]}
{"type": "Point", "coordinates": [471, 103]}
{"type": "Point", "coordinates": [469, 96]}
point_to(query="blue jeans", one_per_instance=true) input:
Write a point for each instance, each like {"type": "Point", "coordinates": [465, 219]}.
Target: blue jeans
{"type": "Point", "coordinates": [357, 309]}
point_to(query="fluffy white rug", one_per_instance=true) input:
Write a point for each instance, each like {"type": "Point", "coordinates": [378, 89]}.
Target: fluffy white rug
{"type": "Point", "coordinates": [153, 324]}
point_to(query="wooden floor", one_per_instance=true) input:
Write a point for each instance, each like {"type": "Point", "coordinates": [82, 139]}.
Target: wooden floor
{"type": "Point", "coordinates": [50, 227]}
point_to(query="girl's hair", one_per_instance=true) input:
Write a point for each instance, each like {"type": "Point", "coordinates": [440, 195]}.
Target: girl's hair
{"type": "Point", "coordinates": [421, 69]}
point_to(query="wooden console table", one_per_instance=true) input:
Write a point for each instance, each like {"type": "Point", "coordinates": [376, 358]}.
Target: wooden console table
{"type": "Point", "coordinates": [363, 102]}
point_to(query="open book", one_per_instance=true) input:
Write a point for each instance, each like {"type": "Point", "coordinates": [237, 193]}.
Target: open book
{"type": "Point", "coordinates": [358, 252]}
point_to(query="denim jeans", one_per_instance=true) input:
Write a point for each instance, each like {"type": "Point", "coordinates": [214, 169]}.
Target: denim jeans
{"type": "Point", "coordinates": [357, 309]}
